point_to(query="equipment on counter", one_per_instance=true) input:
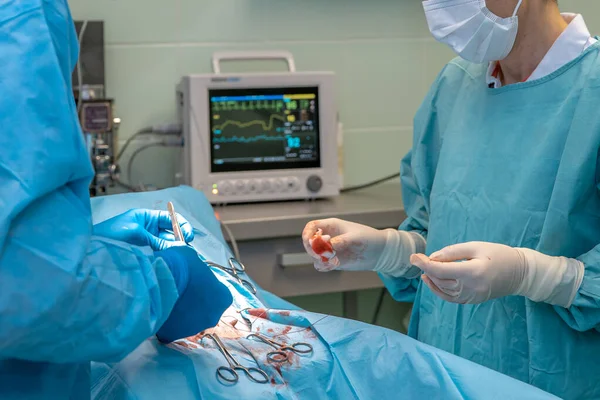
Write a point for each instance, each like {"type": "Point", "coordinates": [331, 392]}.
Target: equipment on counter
{"type": "Point", "coordinates": [259, 136]}
{"type": "Point", "coordinates": [96, 112]}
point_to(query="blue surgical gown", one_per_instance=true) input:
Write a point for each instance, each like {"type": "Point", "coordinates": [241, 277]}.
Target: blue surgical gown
{"type": "Point", "coordinates": [66, 297]}
{"type": "Point", "coordinates": [517, 165]}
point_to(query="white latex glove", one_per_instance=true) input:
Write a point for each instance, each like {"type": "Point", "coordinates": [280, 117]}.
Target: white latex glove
{"type": "Point", "coordinates": [490, 271]}
{"type": "Point", "coordinates": [361, 248]}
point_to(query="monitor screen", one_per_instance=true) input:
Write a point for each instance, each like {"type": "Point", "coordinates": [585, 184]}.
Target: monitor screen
{"type": "Point", "coordinates": [264, 129]}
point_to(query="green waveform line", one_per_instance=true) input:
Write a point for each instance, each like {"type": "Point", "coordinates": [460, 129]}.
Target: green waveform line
{"type": "Point", "coordinates": [239, 124]}
{"type": "Point", "coordinates": [252, 139]}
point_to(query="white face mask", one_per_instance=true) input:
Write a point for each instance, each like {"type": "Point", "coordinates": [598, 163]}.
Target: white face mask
{"type": "Point", "coordinates": [471, 30]}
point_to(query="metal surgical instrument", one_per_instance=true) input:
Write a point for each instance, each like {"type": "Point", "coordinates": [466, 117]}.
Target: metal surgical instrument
{"type": "Point", "coordinates": [174, 223]}
{"type": "Point", "coordinates": [280, 354]}
{"type": "Point", "coordinates": [229, 374]}
{"type": "Point", "coordinates": [234, 269]}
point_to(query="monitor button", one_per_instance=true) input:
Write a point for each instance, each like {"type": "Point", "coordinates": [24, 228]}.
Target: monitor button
{"type": "Point", "coordinates": [266, 185]}
{"type": "Point", "coordinates": [292, 184]}
{"type": "Point", "coordinates": [239, 186]}
{"type": "Point", "coordinates": [278, 185]}
{"type": "Point", "coordinates": [233, 187]}
{"type": "Point", "coordinates": [254, 186]}
{"type": "Point", "coordinates": [224, 188]}
{"type": "Point", "coordinates": [243, 186]}
{"type": "Point", "coordinates": [314, 183]}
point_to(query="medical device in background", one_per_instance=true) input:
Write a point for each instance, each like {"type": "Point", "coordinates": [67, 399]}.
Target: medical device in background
{"type": "Point", "coordinates": [95, 111]}
{"type": "Point", "coordinates": [259, 136]}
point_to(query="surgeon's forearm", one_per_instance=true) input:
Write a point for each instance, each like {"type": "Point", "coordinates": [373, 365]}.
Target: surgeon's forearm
{"type": "Point", "coordinates": [116, 299]}
{"type": "Point", "coordinates": [552, 280]}
{"type": "Point", "coordinates": [395, 258]}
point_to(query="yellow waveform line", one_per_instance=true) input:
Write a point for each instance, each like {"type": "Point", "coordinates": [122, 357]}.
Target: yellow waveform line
{"type": "Point", "coordinates": [310, 96]}
{"type": "Point", "coordinates": [239, 124]}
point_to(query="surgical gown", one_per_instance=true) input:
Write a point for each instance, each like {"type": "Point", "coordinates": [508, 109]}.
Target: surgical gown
{"type": "Point", "coordinates": [517, 165]}
{"type": "Point", "coordinates": [65, 297]}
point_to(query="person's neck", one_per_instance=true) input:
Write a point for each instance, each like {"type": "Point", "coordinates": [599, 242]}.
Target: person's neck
{"type": "Point", "coordinates": [535, 38]}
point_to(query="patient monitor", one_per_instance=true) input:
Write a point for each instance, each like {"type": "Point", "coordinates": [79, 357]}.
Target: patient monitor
{"type": "Point", "coordinates": [259, 136]}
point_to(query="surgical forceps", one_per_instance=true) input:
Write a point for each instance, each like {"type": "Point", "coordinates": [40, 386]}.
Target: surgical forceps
{"type": "Point", "coordinates": [235, 269]}
{"type": "Point", "coordinates": [247, 320]}
{"type": "Point", "coordinates": [229, 374]}
{"type": "Point", "coordinates": [280, 354]}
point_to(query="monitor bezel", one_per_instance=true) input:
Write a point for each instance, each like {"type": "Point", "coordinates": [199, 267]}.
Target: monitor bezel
{"type": "Point", "coordinates": [194, 114]}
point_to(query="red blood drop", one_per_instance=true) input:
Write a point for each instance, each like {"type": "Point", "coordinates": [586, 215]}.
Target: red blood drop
{"type": "Point", "coordinates": [320, 246]}
{"type": "Point", "coordinates": [286, 330]}
{"type": "Point", "coordinates": [258, 312]}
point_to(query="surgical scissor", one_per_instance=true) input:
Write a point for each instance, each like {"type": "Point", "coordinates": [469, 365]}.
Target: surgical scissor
{"type": "Point", "coordinates": [235, 269]}
{"type": "Point", "coordinates": [280, 354]}
{"type": "Point", "coordinates": [229, 374]}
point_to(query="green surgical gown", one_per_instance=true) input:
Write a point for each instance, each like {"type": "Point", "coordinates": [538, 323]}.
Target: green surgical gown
{"type": "Point", "coordinates": [518, 165]}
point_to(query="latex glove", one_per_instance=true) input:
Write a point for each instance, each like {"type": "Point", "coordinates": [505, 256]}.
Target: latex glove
{"type": "Point", "coordinates": [490, 271]}
{"type": "Point", "coordinates": [141, 227]}
{"type": "Point", "coordinates": [202, 297]}
{"type": "Point", "coordinates": [361, 248]}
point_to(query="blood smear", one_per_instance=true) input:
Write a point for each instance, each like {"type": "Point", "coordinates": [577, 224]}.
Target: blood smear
{"type": "Point", "coordinates": [258, 312]}
{"type": "Point", "coordinates": [322, 247]}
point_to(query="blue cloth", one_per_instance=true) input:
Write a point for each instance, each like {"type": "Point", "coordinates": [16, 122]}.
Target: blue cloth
{"type": "Point", "coordinates": [350, 359]}
{"type": "Point", "coordinates": [66, 297]}
{"type": "Point", "coordinates": [202, 298]}
{"type": "Point", "coordinates": [518, 166]}
{"type": "Point", "coordinates": [143, 227]}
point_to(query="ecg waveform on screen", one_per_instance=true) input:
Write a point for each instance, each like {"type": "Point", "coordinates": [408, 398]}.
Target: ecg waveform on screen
{"type": "Point", "coordinates": [251, 139]}
{"type": "Point", "coordinates": [256, 129]}
{"type": "Point", "coordinates": [266, 126]}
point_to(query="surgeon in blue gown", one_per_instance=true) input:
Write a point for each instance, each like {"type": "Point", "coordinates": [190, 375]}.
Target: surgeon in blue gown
{"type": "Point", "coordinates": [71, 293]}
{"type": "Point", "coordinates": [500, 249]}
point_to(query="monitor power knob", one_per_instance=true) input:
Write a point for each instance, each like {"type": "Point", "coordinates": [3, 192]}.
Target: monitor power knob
{"type": "Point", "coordinates": [314, 183]}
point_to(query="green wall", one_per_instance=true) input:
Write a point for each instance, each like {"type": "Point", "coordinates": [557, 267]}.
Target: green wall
{"type": "Point", "coordinates": [381, 51]}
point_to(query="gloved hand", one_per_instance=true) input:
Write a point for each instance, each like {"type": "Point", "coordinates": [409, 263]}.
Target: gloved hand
{"type": "Point", "coordinates": [494, 270]}
{"type": "Point", "coordinates": [202, 297]}
{"type": "Point", "coordinates": [359, 247]}
{"type": "Point", "coordinates": [141, 227]}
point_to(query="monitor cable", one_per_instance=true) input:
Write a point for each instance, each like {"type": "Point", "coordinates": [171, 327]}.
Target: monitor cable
{"type": "Point", "coordinates": [370, 184]}
{"type": "Point", "coordinates": [166, 142]}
